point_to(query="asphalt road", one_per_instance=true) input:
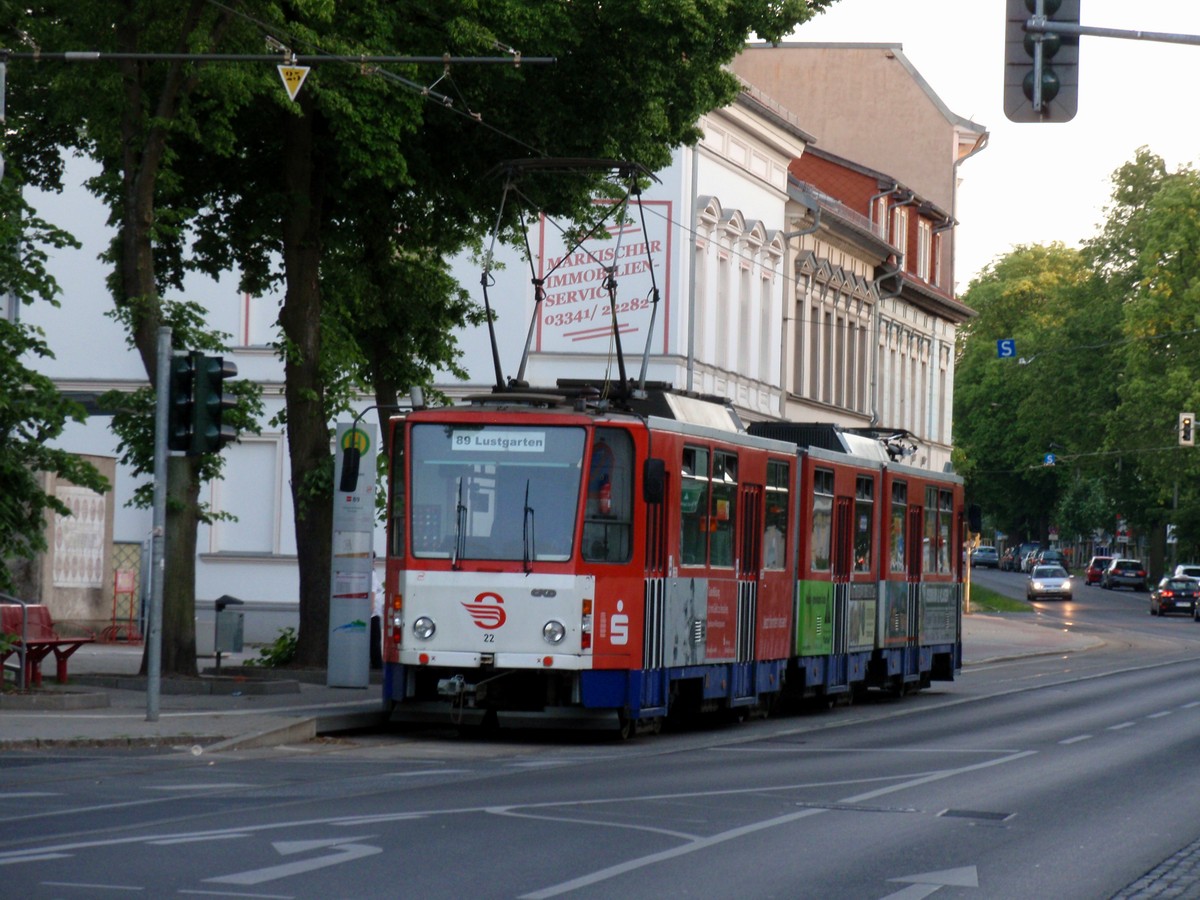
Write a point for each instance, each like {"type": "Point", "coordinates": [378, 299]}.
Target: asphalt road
{"type": "Point", "coordinates": [1053, 776]}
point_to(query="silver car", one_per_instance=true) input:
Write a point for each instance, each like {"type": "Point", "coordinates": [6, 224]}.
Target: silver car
{"type": "Point", "coordinates": [986, 557]}
{"type": "Point", "coordinates": [1048, 583]}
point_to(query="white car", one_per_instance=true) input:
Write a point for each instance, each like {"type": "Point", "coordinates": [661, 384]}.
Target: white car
{"type": "Point", "coordinates": [1048, 583]}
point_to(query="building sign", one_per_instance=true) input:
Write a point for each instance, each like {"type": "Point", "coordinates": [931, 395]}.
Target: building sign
{"type": "Point", "coordinates": [575, 316]}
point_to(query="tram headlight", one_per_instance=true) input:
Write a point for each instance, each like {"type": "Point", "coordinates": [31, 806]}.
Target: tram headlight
{"type": "Point", "coordinates": [553, 631]}
{"type": "Point", "coordinates": [424, 628]}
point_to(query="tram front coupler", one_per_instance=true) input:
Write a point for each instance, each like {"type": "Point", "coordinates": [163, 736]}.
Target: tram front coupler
{"type": "Point", "coordinates": [455, 688]}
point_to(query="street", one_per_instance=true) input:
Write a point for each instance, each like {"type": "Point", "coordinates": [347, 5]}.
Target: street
{"type": "Point", "coordinates": [1063, 776]}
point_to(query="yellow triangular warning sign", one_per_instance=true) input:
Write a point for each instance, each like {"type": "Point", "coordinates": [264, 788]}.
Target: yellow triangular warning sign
{"type": "Point", "coordinates": [293, 77]}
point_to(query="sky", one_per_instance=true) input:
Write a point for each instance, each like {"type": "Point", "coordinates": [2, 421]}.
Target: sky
{"type": "Point", "coordinates": [1035, 182]}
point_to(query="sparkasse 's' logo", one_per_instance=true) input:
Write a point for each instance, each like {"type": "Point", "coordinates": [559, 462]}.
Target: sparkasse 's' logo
{"type": "Point", "coordinates": [484, 613]}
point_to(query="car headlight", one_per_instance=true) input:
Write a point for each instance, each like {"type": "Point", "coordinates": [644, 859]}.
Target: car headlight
{"type": "Point", "coordinates": [553, 631]}
{"type": "Point", "coordinates": [1037, 585]}
{"type": "Point", "coordinates": [424, 628]}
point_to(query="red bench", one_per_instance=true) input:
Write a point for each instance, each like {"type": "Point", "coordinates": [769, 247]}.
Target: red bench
{"type": "Point", "coordinates": [40, 641]}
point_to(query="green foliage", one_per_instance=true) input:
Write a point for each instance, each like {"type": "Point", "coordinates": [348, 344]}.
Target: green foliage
{"type": "Point", "coordinates": [280, 652]}
{"type": "Point", "coordinates": [133, 413]}
{"type": "Point", "coordinates": [1111, 333]}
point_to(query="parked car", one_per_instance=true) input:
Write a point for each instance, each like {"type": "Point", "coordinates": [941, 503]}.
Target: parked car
{"type": "Point", "coordinates": [1048, 583]}
{"type": "Point", "coordinates": [986, 557]}
{"type": "Point", "coordinates": [1175, 594]}
{"type": "Point", "coordinates": [1188, 570]}
{"type": "Point", "coordinates": [1124, 573]}
{"type": "Point", "coordinates": [1028, 561]}
{"type": "Point", "coordinates": [1052, 558]}
{"type": "Point", "coordinates": [1095, 569]}
{"type": "Point", "coordinates": [1008, 562]}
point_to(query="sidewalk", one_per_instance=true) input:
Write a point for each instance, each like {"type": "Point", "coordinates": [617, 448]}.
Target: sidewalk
{"type": "Point", "coordinates": [106, 703]}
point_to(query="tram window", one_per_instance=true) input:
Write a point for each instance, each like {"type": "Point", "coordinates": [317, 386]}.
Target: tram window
{"type": "Point", "coordinates": [776, 517]}
{"type": "Point", "coordinates": [864, 516]}
{"type": "Point", "coordinates": [399, 499]}
{"type": "Point", "coordinates": [693, 499]}
{"type": "Point", "coordinates": [822, 520]}
{"type": "Point", "coordinates": [945, 520]}
{"type": "Point", "coordinates": [506, 492]}
{"type": "Point", "coordinates": [608, 514]}
{"type": "Point", "coordinates": [896, 528]}
{"type": "Point", "coordinates": [724, 509]}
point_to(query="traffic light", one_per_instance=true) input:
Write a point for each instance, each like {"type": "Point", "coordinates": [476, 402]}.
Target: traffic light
{"type": "Point", "coordinates": [1187, 431]}
{"type": "Point", "coordinates": [209, 435]}
{"type": "Point", "coordinates": [1041, 69]}
{"type": "Point", "coordinates": [180, 406]}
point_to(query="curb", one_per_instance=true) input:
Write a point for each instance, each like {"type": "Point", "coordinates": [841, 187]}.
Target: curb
{"type": "Point", "coordinates": [206, 684]}
{"type": "Point", "coordinates": [55, 700]}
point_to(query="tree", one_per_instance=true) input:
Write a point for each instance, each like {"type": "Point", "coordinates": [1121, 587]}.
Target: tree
{"type": "Point", "coordinates": [1011, 414]}
{"type": "Point", "coordinates": [359, 179]}
{"type": "Point", "coordinates": [1109, 333]}
{"type": "Point", "coordinates": [286, 190]}
{"type": "Point", "coordinates": [33, 412]}
{"type": "Point", "coordinates": [125, 117]}
{"type": "Point", "coordinates": [1148, 250]}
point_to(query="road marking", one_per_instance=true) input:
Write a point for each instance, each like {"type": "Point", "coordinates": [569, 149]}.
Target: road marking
{"type": "Point", "coordinates": [1076, 739]}
{"type": "Point", "coordinates": [925, 884]}
{"type": "Point", "coordinates": [94, 887]}
{"type": "Point", "coordinates": [735, 833]}
{"type": "Point", "coordinates": [20, 795]}
{"type": "Point", "coordinates": [1190, 705]}
{"type": "Point", "coordinates": [342, 852]}
{"type": "Point", "coordinates": [1159, 715]}
{"type": "Point", "coordinates": [1122, 725]}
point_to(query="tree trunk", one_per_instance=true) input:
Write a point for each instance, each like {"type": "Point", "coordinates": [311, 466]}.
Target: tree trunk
{"type": "Point", "coordinates": [304, 392]}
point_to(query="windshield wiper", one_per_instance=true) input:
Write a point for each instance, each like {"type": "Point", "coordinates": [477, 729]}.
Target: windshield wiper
{"type": "Point", "coordinates": [460, 518]}
{"type": "Point", "coordinates": [527, 534]}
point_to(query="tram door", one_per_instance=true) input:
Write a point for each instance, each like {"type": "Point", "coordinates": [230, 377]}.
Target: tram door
{"type": "Point", "coordinates": [843, 565]}
{"type": "Point", "coordinates": [913, 542]}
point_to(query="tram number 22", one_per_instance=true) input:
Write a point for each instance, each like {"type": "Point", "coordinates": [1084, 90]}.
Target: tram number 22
{"type": "Point", "coordinates": [489, 638]}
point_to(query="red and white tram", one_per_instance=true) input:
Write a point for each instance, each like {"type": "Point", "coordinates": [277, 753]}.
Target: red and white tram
{"type": "Point", "coordinates": [553, 559]}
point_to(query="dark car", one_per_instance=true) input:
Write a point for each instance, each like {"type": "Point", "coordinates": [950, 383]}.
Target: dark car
{"type": "Point", "coordinates": [1174, 595]}
{"type": "Point", "coordinates": [1095, 569]}
{"type": "Point", "coordinates": [1052, 558]}
{"type": "Point", "coordinates": [1124, 573]}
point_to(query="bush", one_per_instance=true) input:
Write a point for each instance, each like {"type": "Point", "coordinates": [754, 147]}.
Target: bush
{"type": "Point", "coordinates": [279, 653]}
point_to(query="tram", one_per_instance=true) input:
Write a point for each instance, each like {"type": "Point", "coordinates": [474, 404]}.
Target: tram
{"type": "Point", "coordinates": [556, 560]}
{"type": "Point", "coordinates": [611, 554]}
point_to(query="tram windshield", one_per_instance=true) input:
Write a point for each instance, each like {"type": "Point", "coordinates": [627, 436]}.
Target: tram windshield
{"type": "Point", "coordinates": [507, 492]}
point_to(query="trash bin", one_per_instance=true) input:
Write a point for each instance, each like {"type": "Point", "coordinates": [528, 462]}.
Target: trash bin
{"type": "Point", "coordinates": [229, 627]}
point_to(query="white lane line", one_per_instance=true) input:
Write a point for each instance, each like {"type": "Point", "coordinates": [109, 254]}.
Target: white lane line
{"type": "Point", "coordinates": [94, 887]}
{"type": "Point", "coordinates": [1159, 715]}
{"type": "Point", "coordinates": [1122, 725]}
{"type": "Point", "coordinates": [734, 833]}
{"type": "Point", "coordinates": [1076, 739]}
{"type": "Point", "coordinates": [1194, 703]}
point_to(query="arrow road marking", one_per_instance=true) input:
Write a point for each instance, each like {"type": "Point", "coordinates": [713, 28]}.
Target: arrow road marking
{"type": "Point", "coordinates": [343, 852]}
{"type": "Point", "coordinates": [925, 884]}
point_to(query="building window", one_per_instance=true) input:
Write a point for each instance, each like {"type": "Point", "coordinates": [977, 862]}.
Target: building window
{"type": "Point", "coordinates": [900, 230]}
{"type": "Point", "coordinates": [924, 248]}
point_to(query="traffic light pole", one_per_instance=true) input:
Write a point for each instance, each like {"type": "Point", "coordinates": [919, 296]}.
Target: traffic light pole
{"type": "Point", "coordinates": [1042, 26]}
{"type": "Point", "coordinates": [158, 566]}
